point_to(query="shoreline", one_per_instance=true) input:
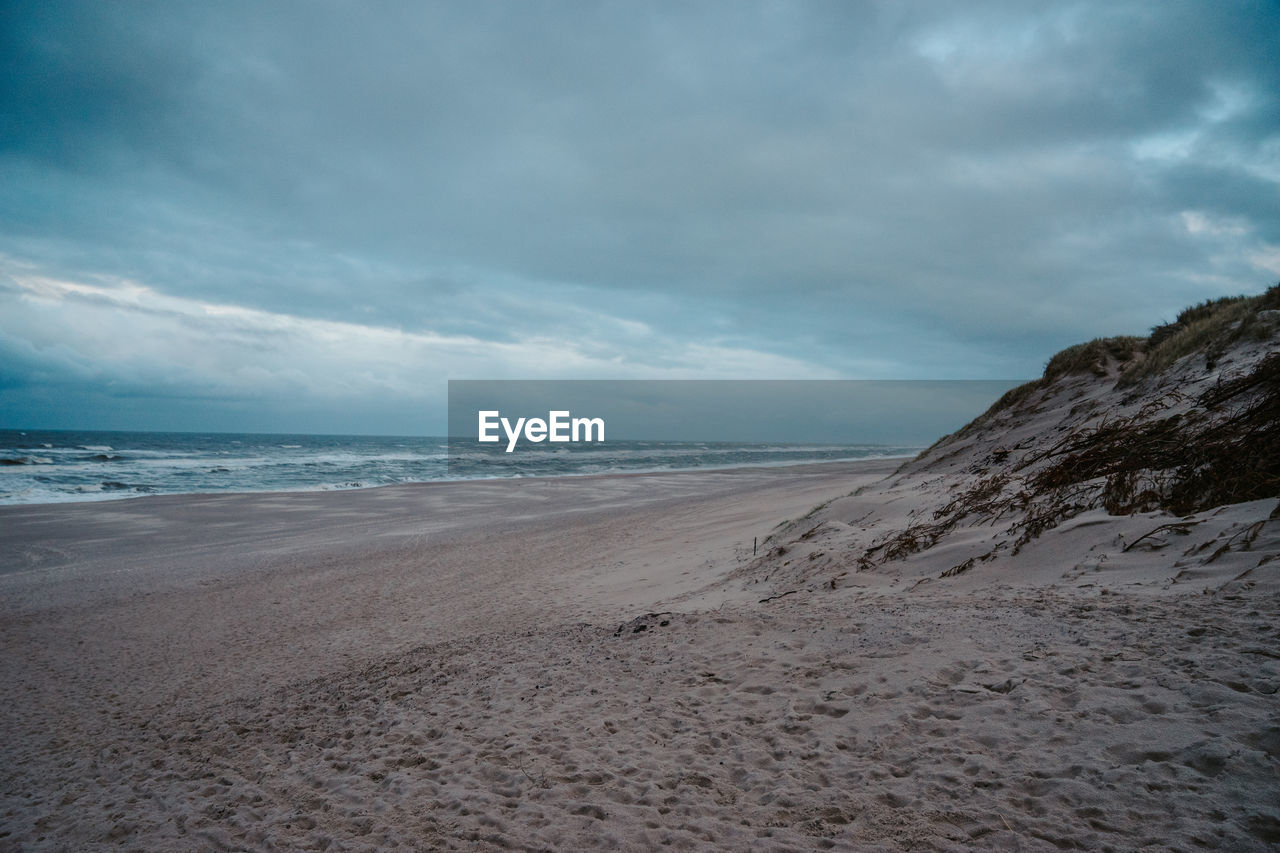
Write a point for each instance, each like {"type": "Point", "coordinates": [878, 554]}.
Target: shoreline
{"type": "Point", "coordinates": [176, 499]}
{"type": "Point", "coordinates": [91, 496]}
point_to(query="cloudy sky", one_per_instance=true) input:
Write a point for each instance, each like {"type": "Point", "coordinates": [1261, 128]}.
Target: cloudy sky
{"type": "Point", "coordinates": [309, 216]}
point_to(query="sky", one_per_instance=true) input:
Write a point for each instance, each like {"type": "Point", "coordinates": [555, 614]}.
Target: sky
{"type": "Point", "coordinates": [307, 217]}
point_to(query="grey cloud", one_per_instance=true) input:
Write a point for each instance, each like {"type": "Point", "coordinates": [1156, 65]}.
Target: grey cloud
{"type": "Point", "coordinates": [941, 189]}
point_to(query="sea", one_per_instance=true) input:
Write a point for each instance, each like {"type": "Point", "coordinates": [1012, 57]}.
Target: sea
{"type": "Point", "coordinates": [48, 466]}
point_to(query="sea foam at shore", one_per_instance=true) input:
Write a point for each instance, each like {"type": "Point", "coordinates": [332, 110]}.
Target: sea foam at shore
{"type": "Point", "coordinates": [54, 466]}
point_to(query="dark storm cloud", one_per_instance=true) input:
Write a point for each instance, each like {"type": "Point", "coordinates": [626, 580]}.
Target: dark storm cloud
{"type": "Point", "coordinates": [868, 189]}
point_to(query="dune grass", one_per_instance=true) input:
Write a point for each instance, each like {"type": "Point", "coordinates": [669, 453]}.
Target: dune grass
{"type": "Point", "coordinates": [1208, 328]}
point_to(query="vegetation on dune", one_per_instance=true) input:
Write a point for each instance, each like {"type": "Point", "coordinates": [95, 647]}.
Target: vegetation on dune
{"type": "Point", "coordinates": [1208, 328]}
{"type": "Point", "coordinates": [1179, 451]}
{"type": "Point", "coordinates": [1093, 357]}
{"type": "Point", "coordinates": [1225, 449]}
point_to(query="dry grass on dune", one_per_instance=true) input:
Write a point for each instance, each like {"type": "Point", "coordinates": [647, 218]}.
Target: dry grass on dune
{"type": "Point", "coordinates": [1208, 328]}
{"type": "Point", "coordinates": [1182, 421]}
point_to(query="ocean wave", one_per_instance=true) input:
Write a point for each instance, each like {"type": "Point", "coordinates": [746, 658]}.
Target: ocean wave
{"type": "Point", "coordinates": [90, 467]}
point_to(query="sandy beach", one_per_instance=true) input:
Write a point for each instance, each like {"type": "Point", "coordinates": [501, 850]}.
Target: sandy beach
{"type": "Point", "coordinates": [120, 615]}
{"type": "Point", "coordinates": [197, 597]}
{"type": "Point", "coordinates": [600, 662]}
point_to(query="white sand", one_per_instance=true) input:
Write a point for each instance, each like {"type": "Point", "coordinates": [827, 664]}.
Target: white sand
{"type": "Point", "coordinates": [602, 663]}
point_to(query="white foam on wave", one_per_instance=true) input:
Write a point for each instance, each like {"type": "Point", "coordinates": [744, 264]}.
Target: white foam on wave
{"type": "Point", "coordinates": [29, 460]}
